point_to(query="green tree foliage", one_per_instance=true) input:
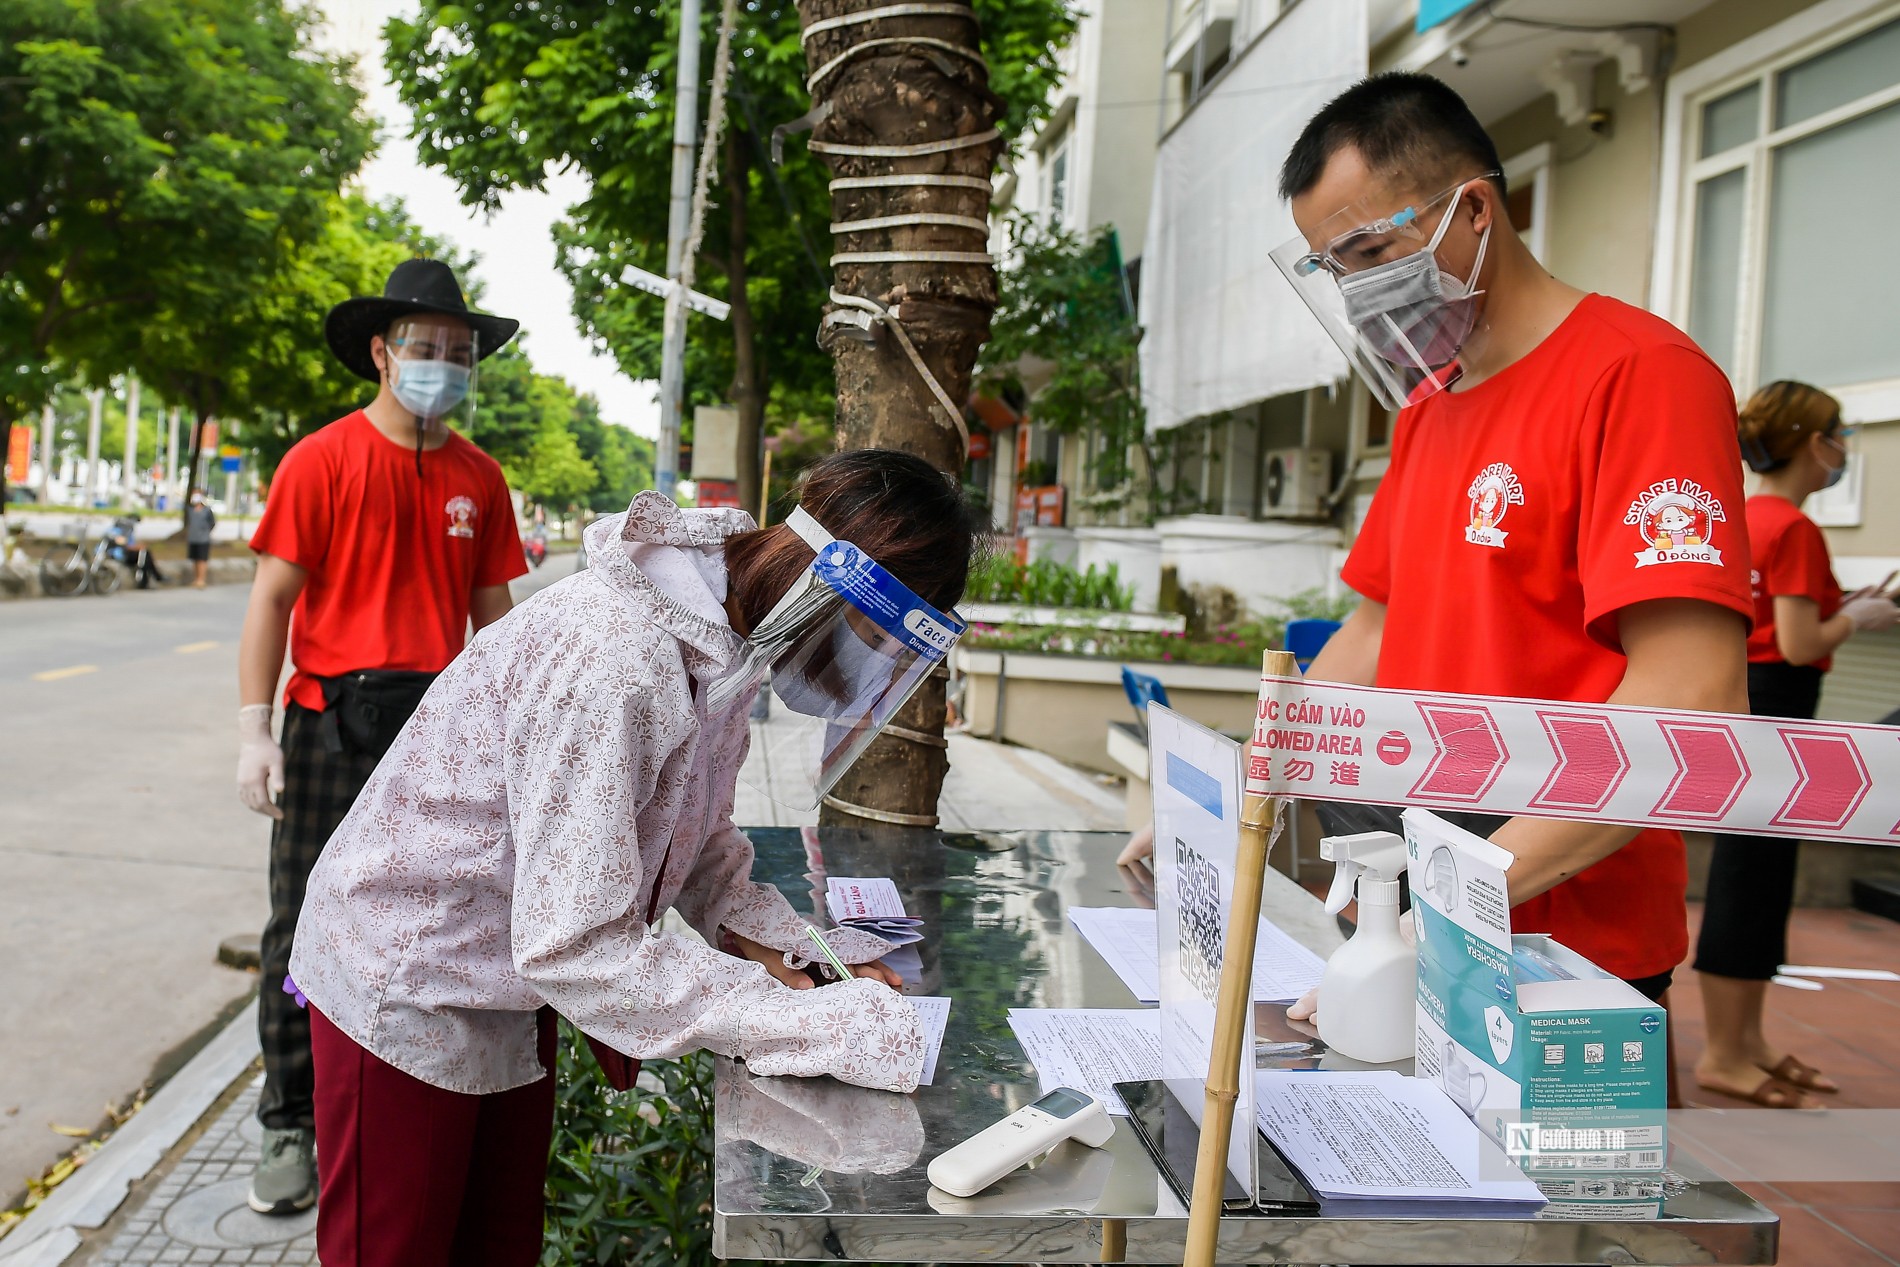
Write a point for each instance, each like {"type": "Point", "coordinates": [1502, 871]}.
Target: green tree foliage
{"type": "Point", "coordinates": [554, 473]}
{"type": "Point", "coordinates": [503, 90]}
{"type": "Point", "coordinates": [1064, 302]}
{"type": "Point", "coordinates": [163, 159]}
{"type": "Point", "coordinates": [551, 441]}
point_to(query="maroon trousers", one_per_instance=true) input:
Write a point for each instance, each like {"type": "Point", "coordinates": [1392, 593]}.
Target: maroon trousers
{"type": "Point", "coordinates": [411, 1175]}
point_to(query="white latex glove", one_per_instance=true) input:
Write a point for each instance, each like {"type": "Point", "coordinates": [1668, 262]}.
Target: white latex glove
{"type": "Point", "coordinates": [260, 769]}
{"type": "Point", "coordinates": [1871, 611]}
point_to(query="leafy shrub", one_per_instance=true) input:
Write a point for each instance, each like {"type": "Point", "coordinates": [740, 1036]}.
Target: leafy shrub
{"type": "Point", "coordinates": [630, 1172]}
{"type": "Point", "coordinates": [1238, 641]}
{"type": "Point", "coordinates": [1000, 579]}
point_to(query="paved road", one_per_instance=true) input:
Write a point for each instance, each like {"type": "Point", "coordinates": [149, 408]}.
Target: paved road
{"type": "Point", "coordinates": [124, 854]}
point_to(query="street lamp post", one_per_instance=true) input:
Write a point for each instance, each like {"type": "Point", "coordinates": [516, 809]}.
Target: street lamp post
{"type": "Point", "coordinates": [129, 473]}
{"type": "Point", "coordinates": [678, 221]}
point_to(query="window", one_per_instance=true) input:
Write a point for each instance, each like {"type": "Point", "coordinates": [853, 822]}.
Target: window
{"type": "Point", "coordinates": [1789, 166]}
{"type": "Point", "coordinates": [1058, 200]}
{"type": "Point", "coordinates": [1527, 176]}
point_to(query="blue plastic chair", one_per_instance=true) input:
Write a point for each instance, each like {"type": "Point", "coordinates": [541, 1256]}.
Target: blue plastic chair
{"type": "Point", "coordinates": [1304, 638]}
{"type": "Point", "coordinates": [1142, 688]}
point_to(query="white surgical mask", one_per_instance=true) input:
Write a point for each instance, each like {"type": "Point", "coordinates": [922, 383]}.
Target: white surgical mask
{"type": "Point", "coordinates": [851, 662]}
{"type": "Point", "coordinates": [430, 389]}
{"type": "Point", "coordinates": [1410, 310]}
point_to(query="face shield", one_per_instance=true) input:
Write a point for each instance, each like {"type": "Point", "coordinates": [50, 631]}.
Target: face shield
{"type": "Point", "coordinates": [843, 650]}
{"type": "Point", "coordinates": [431, 362]}
{"type": "Point", "coordinates": [1371, 276]}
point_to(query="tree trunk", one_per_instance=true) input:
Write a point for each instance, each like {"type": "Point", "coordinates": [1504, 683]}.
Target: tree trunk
{"type": "Point", "coordinates": [748, 379]}
{"type": "Point", "coordinates": [897, 94]}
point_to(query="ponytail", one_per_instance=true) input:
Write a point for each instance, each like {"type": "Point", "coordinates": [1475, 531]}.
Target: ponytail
{"type": "Point", "coordinates": [1778, 419]}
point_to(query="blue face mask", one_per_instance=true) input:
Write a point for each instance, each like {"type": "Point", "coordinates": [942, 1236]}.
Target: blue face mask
{"type": "Point", "coordinates": [1836, 474]}
{"type": "Point", "coordinates": [429, 389]}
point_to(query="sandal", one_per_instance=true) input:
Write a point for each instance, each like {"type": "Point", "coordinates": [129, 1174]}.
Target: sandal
{"type": "Point", "coordinates": [1768, 1095]}
{"type": "Point", "coordinates": [1793, 1071]}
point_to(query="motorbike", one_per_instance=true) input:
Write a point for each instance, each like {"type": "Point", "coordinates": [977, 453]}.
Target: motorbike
{"type": "Point", "coordinates": [535, 546]}
{"type": "Point", "coordinates": [122, 547]}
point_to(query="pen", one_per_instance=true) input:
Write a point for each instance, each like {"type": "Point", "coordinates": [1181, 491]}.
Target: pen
{"type": "Point", "coordinates": [837, 964]}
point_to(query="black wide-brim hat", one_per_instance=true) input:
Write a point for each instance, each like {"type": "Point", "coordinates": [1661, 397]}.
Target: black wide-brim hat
{"type": "Point", "coordinates": [414, 286]}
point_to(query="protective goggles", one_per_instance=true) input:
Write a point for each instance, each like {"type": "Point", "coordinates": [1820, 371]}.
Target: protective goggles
{"type": "Point", "coordinates": [843, 651]}
{"type": "Point", "coordinates": [1372, 280]}
{"type": "Point", "coordinates": [432, 367]}
{"type": "Point", "coordinates": [1353, 240]}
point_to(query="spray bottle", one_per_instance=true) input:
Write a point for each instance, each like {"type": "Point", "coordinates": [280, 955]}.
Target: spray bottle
{"type": "Point", "coordinates": [1366, 997]}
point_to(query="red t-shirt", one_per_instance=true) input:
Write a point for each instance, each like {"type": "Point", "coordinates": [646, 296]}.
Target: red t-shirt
{"type": "Point", "coordinates": [393, 557]}
{"type": "Point", "coordinates": [1519, 517]}
{"type": "Point", "coordinates": [1791, 561]}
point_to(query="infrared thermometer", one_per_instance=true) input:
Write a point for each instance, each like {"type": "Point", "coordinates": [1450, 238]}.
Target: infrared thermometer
{"type": "Point", "coordinates": [1020, 1138]}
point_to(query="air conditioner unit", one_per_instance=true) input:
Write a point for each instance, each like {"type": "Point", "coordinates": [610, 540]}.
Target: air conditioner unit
{"type": "Point", "coordinates": [1294, 483]}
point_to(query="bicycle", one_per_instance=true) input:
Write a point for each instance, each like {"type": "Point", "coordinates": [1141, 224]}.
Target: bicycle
{"type": "Point", "coordinates": [69, 568]}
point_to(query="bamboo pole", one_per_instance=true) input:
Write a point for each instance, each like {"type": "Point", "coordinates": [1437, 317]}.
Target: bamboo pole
{"type": "Point", "coordinates": [1225, 1063]}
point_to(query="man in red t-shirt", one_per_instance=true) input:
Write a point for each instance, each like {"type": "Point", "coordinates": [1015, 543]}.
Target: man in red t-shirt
{"type": "Point", "coordinates": [1562, 514]}
{"type": "Point", "coordinates": [385, 535]}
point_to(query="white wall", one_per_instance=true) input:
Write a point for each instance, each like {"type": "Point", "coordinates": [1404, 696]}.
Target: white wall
{"type": "Point", "coordinates": [1259, 562]}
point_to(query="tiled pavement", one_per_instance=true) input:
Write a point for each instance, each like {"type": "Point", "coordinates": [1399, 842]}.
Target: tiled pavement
{"type": "Point", "coordinates": [197, 1211]}
{"type": "Point", "coordinates": [1851, 1029]}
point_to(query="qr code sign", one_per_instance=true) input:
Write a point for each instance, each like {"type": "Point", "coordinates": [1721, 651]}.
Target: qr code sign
{"type": "Point", "coordinates": [1632, 1052]}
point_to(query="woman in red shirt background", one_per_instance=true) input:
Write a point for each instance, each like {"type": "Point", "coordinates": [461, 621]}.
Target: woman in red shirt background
{"type": "Point", "coordinates": [1792, 437]}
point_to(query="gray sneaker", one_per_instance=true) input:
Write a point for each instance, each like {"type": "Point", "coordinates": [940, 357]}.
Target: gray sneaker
{"type": "Point", "coordinates": [285, 1181]}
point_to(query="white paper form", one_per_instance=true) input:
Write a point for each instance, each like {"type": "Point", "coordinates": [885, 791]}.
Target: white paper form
{"type": "Point", "coordinates": [1129, 939]}
{"type": "Point", "coordinates": [1380, 1135]}
{"type": "Point", "coordinates": [1090, 1049]}
{"type": "Point", "coordinates": [933, 1014]}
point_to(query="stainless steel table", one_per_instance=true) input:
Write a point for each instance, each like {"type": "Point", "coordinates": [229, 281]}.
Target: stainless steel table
{"type": "Point", "coordinates": [814, 1169]}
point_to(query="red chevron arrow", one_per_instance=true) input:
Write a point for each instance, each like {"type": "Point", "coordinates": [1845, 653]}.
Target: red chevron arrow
{"type": "Point", "coordinates": [1469, 752]}
{"type": "Point", "coordinates": [1710, 770]}
{"type": "Point", "coordinates": [1591, 762]}
{"type": "Point", "coordinates": [1833, 783]}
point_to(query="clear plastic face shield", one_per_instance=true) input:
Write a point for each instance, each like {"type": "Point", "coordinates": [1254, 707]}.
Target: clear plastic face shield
{"type": "Point", "coordinates": [431, 362]}
{"type": "Point", "coordinates": [842, 651]}
{"type": "Point", "coordinates": [1371, 275]}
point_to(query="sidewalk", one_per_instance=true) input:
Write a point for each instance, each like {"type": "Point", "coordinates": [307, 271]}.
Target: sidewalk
{"type": "Point", "coordinates": [171, 1186]}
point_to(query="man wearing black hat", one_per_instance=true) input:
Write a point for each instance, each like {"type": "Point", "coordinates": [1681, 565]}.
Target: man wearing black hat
{"type": "Point", "coordinates": [385, 534]}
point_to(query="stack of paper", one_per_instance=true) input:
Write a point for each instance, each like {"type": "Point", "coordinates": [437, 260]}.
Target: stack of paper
{"type": "Point", "coordinates": [1129, 939]}
{"type": "Point", "coordinates": [1090, 1049]}
{"type": "Point", "coordinates": [1381, 1136]}
{"type": "Point", "coordinates": [871, 906]}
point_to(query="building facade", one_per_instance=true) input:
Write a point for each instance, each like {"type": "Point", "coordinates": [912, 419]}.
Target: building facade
{"type": "Point", "coordinates": [1698, 159]}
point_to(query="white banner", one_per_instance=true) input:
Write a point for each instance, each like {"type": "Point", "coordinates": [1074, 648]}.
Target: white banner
{"type": "Point", "coordinates": [1222, 327]}
{"type": "Point", "coordinates": [1718, 772]}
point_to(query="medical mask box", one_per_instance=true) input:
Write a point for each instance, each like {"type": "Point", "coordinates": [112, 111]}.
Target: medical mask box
{"type": "Point", "coordinates": [1562, 1063]}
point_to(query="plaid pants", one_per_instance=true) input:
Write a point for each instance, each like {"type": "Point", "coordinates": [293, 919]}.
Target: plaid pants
{"type": "Point", "coordinates": [319, 788]}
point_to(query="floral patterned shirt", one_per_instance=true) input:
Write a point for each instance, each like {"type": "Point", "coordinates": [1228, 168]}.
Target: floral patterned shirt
{"type": "Point", "coordinates": [560, 785]}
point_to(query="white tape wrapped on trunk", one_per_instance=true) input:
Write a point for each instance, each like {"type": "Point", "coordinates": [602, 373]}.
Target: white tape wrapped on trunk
{"type": "Point", "coordinates": [920, 217]}
{"type": "Point", "coordinates": [879, 313]}
{"type": "Point", "coordinates": [903, 151]}
{"type": "Point", "coordinates": [910, 41]}
{"type": "Point", "coordinates": [888, 11]}
{"type": "Point", "coordinates": [912, 257]}
{"type": "Point", "coordinates": [881, 815]}
{"type": "Point", "coordinates": [899, 179]}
